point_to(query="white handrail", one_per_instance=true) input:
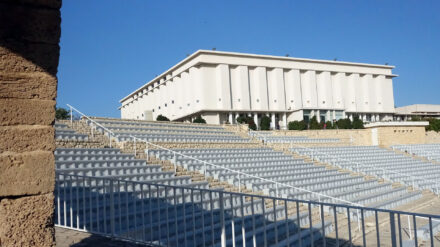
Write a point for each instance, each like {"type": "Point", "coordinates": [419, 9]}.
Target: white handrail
{"type": "Point", "coordinates": [221, 167]}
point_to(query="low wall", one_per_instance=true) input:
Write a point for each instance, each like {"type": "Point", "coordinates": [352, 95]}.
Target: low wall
{"type": "Point", "coordinates": [348, 137]}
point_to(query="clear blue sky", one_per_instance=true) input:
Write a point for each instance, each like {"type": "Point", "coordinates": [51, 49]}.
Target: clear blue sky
{"type": "Point", "coordinates": [109, 48]}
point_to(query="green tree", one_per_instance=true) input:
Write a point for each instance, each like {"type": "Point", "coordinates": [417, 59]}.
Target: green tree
{"type": "Point", "coordinates": [265, 123]}
{"type": "Point", "coordinates": [247, 120]}
{"type": "Point", "coordinates": [358, 123]}
{"type": "Point", "coordinates": [162, 118]}
{"type": "Point", "coordinates": [61, 113]}
{"type": "Point", "coordinates": [200, 120]}
{"type": "Point", "coordinates": [314, 125]}
{"type": "Point", "coordinates": [297, 125]}
{"type": "Point", "coordinates": [241, 120]}
{"type": "Point", "coordinates": [329, 125]}
{"type": "Point", "coordinates": [416, 118]}
{"type": "Point", "coordinates": [434, 124]}
{"type": "Point", "coordinates": [344, 123]}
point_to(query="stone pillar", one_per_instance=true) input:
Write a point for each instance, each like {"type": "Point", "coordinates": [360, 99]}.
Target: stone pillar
{"type": "Point", "coordinates": [231, 118]}
{"type": "Point", "coordinates": [256, 120]}
{"type": "Point", "coordinates": [272, 120]}
{"type": "Point", "coordinates": [236, 116]}
{"type": "Point", "coordinates": [29, 52]}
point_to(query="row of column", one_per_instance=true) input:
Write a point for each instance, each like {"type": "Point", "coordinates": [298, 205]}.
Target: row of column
{"type": "Point", "coordinates": [233, 117]}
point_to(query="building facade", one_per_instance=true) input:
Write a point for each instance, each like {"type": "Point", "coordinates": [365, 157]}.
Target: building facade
{"type": "Point", "coordinates": [418, 110]}
{"type": "Point", "coordinates": [220, 86]}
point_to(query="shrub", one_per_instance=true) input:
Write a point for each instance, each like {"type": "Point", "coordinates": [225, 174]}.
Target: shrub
{"type": "Point", "coordinates": [265, 123]}
{"type": "Point", "coordinates": [241, 120]}
{"type": "Point", "coordinates": [297, 125]}
{"type": "Point", "coordinates": [329, 125]}
{"type": "Point", "coordinates": [314, 125]}
{"type": "Point", "coordinates": [200, 120]}
{"type": "Point", "coordinates": [251, 123]}
{"type": "Point", "coordinates": [344, 123]}
{"type": "Point", "coordinates": [434, 124]}
{"type": "Point", "coordinates": [358, 123]}
{"type": "Point", "coordinates": [61, 113]}
{"type": "Point", "coordinates": [162, 118]}
{"type": "Point", "coordinates": [247, 120]}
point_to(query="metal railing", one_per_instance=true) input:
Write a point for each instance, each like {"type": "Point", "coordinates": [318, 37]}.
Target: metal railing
{"type": "Point", "coordinates": [166, 215]}
{"type": "Point", "coordinates": [240, 175]}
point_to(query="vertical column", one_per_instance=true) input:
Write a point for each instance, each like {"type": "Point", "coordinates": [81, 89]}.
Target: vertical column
{"type": "Point", "coordinates": [231, 118]}
{"type": "Point", "coordinates": [257, 123]}
{"type": "Point", "coordinates": [272, 121]}
{"type": "Point", "coordinates": [285, 120]}
{"type": "Point", "coordinates": [29, 51]}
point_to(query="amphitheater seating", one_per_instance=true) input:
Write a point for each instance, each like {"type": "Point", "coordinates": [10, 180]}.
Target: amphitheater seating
{"type": "Point", "coordinates": [275, 166]}
{"type": "Point", "coordinates": [379, 162]}
{"type": "Point", "coordinates": [64, 132]}
{"type": "Point", "coordinates": [88, 203]}
{"type": "Point", "coordinates": [124, 130]}
{"type": "Point", "coordinates": [268, 137]}
{"type": "Point", "coordinates": [428, 151]}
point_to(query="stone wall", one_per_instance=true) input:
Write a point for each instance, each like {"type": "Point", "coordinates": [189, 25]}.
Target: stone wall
{"type": "Point", "coordinates": [432, 137]}
{"type": "Point", "coordinates": [388, 136]}
{"type": "Point", "coordinates": [29, 52]}
{"type": "Point", "coordinates": [347, 137]}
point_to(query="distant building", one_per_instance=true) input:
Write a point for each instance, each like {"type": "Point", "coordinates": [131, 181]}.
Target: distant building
{"type": "Point", "coordinates": [419, 110]}
{"type": "Point", "coordinates": [220, 86]}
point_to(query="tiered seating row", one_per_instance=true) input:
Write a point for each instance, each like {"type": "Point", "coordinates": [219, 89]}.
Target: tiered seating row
{"type": "Point", "coordinates": [63, 132]}
{"type": "Point", "coordinates": [124, 130]}
{"type": "Point", "coordinates": [379, 162]}
{"type": "Point", "coordinates": [270, 138]}
{"type": "Point", "coordinates": [150, 212]}
{"type": "Point", "coordinates": [266, 166]}
{"type": "Point", "coordinates": [428, 151]}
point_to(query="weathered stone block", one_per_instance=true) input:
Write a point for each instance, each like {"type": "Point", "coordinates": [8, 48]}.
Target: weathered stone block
{"type": "Point", "coordinates": [37, 85]}
{"type": "Point", "coordinates": [24, 22]}
{"type": "Point", "coordinates": [27, 221]}
{"type": "Point", "coordinates": [27, 173]}
{"type": "Point", "coordinates": [21, 111]}
{"type": "Point", "coordinates": [18, 57]}
{"type": "Point", "coordinates": [23, 138]}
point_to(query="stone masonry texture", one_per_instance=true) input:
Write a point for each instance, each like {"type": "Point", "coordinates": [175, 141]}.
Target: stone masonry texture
{"type": "Point", "coordinates": [29, 53]}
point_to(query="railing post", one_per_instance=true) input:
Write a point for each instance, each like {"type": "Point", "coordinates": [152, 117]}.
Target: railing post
{"type": "Point", "coordinates": [112, 209]}
{"type": "Point", "coordinates": [71, 116]}
{"type": "Point", "coordinates": [393, 230]}
{"type": "Point", "coordinates": [110, 139]}
{"type": "Point", "coordinates": [239, 182]}
{"type": "Point", "coordinates": [222, 220]}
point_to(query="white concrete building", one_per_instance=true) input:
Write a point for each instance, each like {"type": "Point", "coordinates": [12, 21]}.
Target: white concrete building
{"type": "Point", "coordinates": [220, 86]}
{"type": "Point", "coordinates": [419, 110]}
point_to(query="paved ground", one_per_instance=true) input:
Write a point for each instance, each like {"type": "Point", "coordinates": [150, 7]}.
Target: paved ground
{"type": "Point", "coordinates": [65, 237]}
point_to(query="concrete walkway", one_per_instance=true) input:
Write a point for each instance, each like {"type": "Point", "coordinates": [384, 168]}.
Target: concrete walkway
{"type": "Point", "coordinates": [66, 237]}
